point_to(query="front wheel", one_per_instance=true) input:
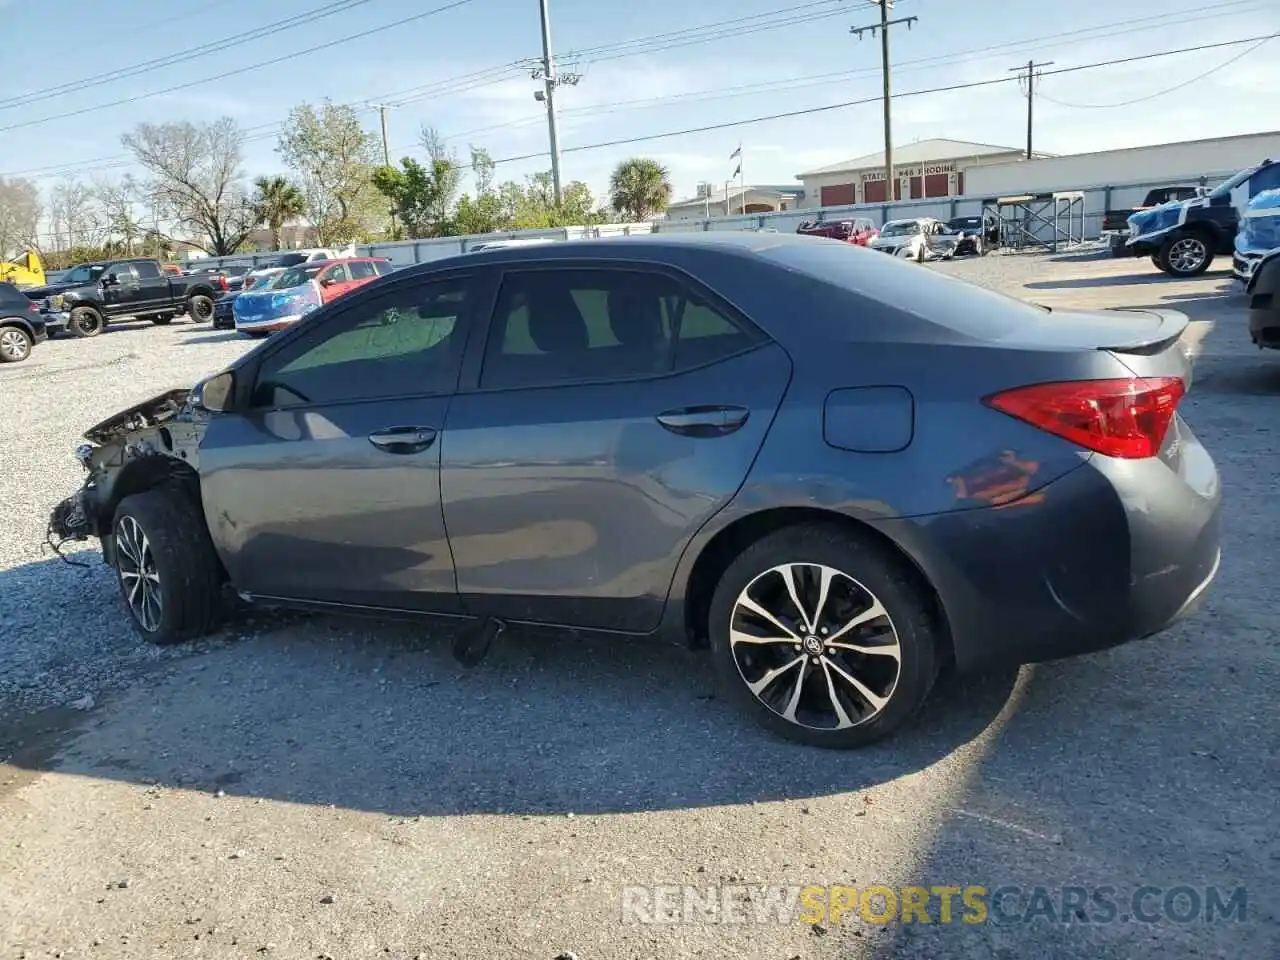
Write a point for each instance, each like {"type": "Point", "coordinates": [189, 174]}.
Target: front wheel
{"type": "Point", "coordinates": [85, 322]}
{"type": "Point", "coordinates": [15, 344]}
{"type": "Point", "coordinates": [824, 638]}
{"type": "Point", "coordinates": [1185, 255]}
{"type": "Point", "coordinates": [169, 574]}
{"type": "Point", "coordinates": [200, 308]}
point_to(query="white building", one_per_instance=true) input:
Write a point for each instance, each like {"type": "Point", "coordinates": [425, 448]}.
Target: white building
{"type": "Point", "coordinates": [741, 199]}
{"type": "Point", "coordinates": [928, 168]}
{"type": "Point", "coordinates": [1165, 163]}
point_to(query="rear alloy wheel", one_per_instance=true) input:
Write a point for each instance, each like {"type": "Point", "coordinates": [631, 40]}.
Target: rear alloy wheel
{"type": "Point", "coordinates": [823, 637]}
{"type": "Point", "coordinates": [200, 308]}
{"type": "Point", "coordinates": [1185, 255]}
{"type": "Point", "coordinates": [169, 574]}
{"type": "Point", "coordinates": [85, 322]}
{"type": "Point", "coordinates": [15, 344]}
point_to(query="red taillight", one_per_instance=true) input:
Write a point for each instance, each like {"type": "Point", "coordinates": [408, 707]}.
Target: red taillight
{"type": "Point", "coordinates": [1120, 418]}
{"type": "Point", "coordinates": [222, 281]}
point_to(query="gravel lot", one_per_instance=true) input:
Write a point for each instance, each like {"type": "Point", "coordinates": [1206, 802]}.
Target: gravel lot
{"type": "Point", "coordinates": [309, 787]}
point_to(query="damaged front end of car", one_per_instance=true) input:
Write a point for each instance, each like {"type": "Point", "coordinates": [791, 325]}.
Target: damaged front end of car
{"type": "Point", "coordinates": [153, 442]}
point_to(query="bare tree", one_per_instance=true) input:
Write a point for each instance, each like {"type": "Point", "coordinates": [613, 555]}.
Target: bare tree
{"type": "Point", "coordinates": [19, 215]}
{"type": "Point", "coordinates": [77, 219]}
{"type": "Point", "coordinates": [119, 201]}
{"type": "Point", "coordinates": [197, 180]}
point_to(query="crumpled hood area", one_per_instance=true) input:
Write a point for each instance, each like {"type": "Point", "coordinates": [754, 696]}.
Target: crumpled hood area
{"type": "Point", "coordinates": [148, 413]}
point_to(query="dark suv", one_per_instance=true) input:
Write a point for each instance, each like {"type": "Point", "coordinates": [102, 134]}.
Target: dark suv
{"type": "Point", "coordinates": [21, 324]}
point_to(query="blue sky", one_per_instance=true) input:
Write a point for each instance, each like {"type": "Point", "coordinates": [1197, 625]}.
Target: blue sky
{"type": "Point", "coordinates": [783, 68]}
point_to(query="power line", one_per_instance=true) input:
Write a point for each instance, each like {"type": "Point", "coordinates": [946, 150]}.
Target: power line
{"type": "Point", "coordinates": [822, 79]}
{"type": "Point", "coordinates": [827, 108]}
{"type": "Point", "coordinates": [181, 56]}
{"type": "Point", "coordinates": [1167, 90]}
{"type": "Point", "coordinates": [443, 87]}
{"type": "Point", "coordinates": [245, 69]}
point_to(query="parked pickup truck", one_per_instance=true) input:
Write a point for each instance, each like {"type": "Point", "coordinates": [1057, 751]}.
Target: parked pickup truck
{"type": "Point", "coordinates": [1115, 223]}
{"type": "Point", "coordinates": [91, 295]}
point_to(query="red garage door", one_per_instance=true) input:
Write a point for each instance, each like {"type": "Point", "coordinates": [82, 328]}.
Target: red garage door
{"type": "Point", "coordinates": [873, 191]}
{"type": "Point", "coordinates": [838, 195]}
{"type": "Point", "coordinates": [917, 188]}
{"type": "Point", "coordinates": [935, 185]}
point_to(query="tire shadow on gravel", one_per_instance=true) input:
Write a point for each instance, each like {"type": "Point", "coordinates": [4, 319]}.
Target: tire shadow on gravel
{"type": "Point", "coordinates": [377, 716]}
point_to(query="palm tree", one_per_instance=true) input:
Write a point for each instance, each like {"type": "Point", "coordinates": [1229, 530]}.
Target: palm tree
{"type": "Point", "coordinates": [278, 201]}
{"type": "Point", "coordinates": [640, 187]}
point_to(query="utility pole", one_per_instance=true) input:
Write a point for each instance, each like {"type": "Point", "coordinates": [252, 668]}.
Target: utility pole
{"type": "Point", "coordinates": [1030, 69]}
{"type": "Point", "coordinates": [883, 27]}
{"type": "Point", "coordinates": [548, 95]}
{"type": "Point", "coordinates": [386, 154]}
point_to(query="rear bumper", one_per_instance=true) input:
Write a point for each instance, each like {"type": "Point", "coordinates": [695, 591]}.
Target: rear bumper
{"type": "Point", "coordinates": [1111, 552]}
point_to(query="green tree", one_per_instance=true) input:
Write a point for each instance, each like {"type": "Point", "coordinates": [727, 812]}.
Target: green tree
{"type": "Point", "coordinates": [639, 188]}
{"type": "Point", "coordinates": [422, 195]}
{"type": "Point", "coordinates": [333, 156]}
{"type": "Point", "coordinates": [278, 200]}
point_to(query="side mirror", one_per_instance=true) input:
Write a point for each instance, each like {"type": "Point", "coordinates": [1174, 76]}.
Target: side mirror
{"type": "Point", "coordinates": [327, 282]}
{"type": "Point", "coordinates": [215, 394]}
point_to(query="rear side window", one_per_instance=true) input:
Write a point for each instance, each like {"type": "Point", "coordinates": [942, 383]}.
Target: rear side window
{"type": "Point", "coordinates": [566, 326]}
{"type": "Point", "coordinates": [147, 270]}
{"type": "Point", "coordinates": [966, 308]}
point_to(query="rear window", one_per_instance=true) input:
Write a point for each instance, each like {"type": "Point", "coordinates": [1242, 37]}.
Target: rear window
{"type": "Point", "coordinates": [966, 308]}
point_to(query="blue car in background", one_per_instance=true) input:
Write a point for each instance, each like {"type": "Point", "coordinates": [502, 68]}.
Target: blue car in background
{"type": "Point", "coordinates": [1259, 234]}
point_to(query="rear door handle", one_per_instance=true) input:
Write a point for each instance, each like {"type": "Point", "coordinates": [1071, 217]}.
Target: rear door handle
{"type": "Point", "coordinates": [403, 439]}
{"type": "Point", "coordinates": [704, 421]}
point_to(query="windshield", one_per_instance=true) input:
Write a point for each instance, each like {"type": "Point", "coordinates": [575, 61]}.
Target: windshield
{"type": "Point", "coordinates": [288, 260]}
{"type": "Point", "coordinates": [1224, 189]}
{"type": "Point", "coordinates": [900, 228]}
{"type": "Point", "coordinates": [85, 273]}
{"type": "Point", "coordinates": [297, 276]}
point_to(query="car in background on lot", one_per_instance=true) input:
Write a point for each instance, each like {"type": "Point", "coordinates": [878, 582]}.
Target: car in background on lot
{"type": "Point", "coordinates": [299, 290]}
{"type": "Point", "coordinates": [1259, 235]}
{"type": "Point", "coordinates": [859, 231]}
{"type": "Point", "coordinates": [648, 436]}
{"type": "Point", "coordinates": [1115, 223]}
{"type": "Point", "coordinates": [282, 262]}
{"type": "Point", "coordinates": [91, 295]}
{"type": "Point", "coordinates": [975, 235]}
{"type": "Point", "coordinates": [1184, 237]}
{"type": "Point", "coordinates": [21, 324]}
{"type": "Point", "coordinates": [919, 239]}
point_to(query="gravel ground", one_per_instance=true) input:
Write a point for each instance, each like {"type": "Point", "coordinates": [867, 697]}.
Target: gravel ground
{"type": "Point", "coordinates": [309, 787]}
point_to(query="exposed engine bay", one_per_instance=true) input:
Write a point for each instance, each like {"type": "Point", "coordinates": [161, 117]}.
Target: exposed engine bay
{"type": "Point", "coordinates": [152, 441]}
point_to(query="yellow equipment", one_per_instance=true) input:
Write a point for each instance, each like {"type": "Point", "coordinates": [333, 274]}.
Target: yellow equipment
{"type": "Point", "coordinates": [26, 271]}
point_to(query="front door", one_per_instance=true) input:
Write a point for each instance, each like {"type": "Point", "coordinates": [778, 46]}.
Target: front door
{"type": "Point", "coordinates": [326, 486]}
{"type": "Point", "coordinates": [617, 410]}
{"type": "Point", "coordinates": [121, 296]}
{"type": "Point", "coordinates": [334, 282]}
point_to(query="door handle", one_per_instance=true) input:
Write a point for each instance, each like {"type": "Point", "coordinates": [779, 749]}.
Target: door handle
{"type": "Point", "coordinates": [403, 439]}
{"type": "Point", "coordinates": [704, 421]}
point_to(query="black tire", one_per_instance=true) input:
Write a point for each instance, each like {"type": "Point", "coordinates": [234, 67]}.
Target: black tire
{"type": "Point", "coordinates": [85, 322]}
{"type": "Point", "coordinates": [866, 566]}
{"type": "Point", "coordinates": [15, 344]}
{"type": "Point", "coordinates": [1185, 254]}
{"type": "Point", "coordinates": [1155, 258]}
{"type": "Point", "coordinates": [186, 567]}
{"type": "Point", "coordinates": [162, 319]}
{"type": "Point", "coordinates": [200, 308]}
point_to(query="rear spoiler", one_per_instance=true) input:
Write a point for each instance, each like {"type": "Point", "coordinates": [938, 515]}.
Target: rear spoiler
{"type": "Point", "coordinates": [1173, 324]}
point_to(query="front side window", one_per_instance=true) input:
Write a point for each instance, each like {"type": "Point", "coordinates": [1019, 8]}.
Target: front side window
{"type": "Point", "coordinates": [362, 270]}
{"type": "Point", "coordinates": [565, 326]}
{"type": "Point", "coordinates": [335, 274]}
{"type": "Point", "coordinates": [406, 343]}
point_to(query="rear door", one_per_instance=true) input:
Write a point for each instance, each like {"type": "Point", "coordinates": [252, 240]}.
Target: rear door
{"type": "Point", "coordinates": [334, 282]}
{"type": "Point", "coordinates": [153, 286]}
{"type": "Point", "coordinates": [325, 487]}
{"type": "Point", "coordinates": [612, 412]}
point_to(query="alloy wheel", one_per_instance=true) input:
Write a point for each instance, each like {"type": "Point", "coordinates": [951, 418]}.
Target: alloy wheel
{"type": "Point", "coordinates": [1186, 255]}
{"type": "Point", "coordinates": [815, 646]}
{"type": "Point", "coordinates": [138, 574]}
{"type": "Point", "coordinates": [14, 345]}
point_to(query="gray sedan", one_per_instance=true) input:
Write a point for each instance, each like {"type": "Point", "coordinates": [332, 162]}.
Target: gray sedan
{"type": "Point", "coordinates": [839, 473]}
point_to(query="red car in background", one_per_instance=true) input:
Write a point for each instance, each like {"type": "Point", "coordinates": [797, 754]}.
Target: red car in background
{"type": "Point", "coordinates": [337, 277]}
{"type": "Point", "coordinates": [859, 231]}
